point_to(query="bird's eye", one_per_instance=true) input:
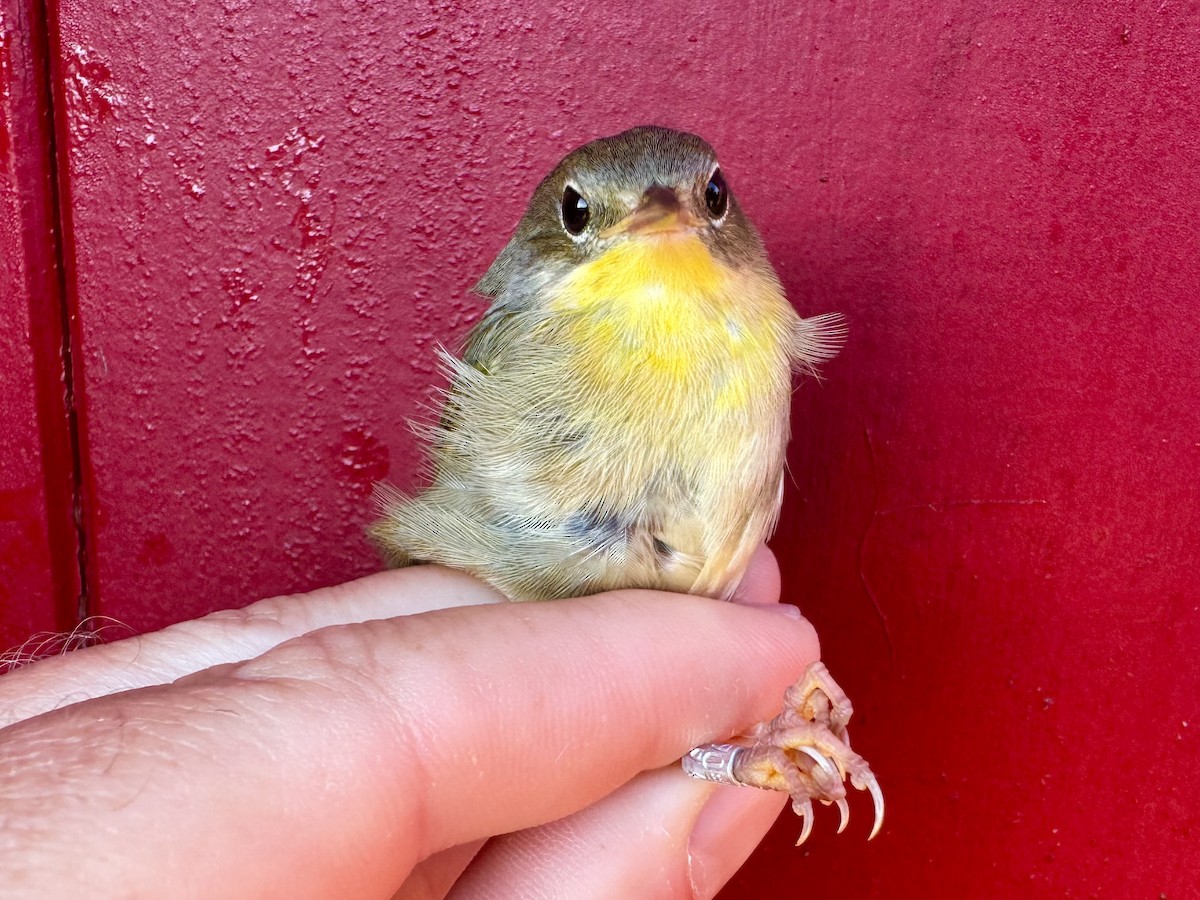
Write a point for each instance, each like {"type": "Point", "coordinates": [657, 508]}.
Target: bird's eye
{"type": "Point", "coordinates": [575, 212]}
{"type": "Point", "coordinates": [716, 195]}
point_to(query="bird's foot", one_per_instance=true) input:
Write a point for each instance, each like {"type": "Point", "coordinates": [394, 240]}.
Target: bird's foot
{"type": "Point", "coordinates": [804, 751]}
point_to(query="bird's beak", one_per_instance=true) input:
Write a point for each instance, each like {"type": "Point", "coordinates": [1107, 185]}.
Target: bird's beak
{"type": "Point", "coordinates": [660, 212]}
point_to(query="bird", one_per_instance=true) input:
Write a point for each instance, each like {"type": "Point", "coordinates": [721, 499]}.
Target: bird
{"type": "Point", "coordinates": [619, 418]}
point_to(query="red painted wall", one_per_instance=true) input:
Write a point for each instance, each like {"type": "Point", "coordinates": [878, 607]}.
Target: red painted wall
{"type": "Point", "coordinates": [273, 213]}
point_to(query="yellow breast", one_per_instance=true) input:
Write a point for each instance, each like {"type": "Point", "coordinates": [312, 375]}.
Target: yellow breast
{"type": "Point", "coordinates": [661, 318]}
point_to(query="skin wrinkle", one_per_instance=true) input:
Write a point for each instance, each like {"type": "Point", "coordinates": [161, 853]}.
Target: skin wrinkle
{"type": "Point", "coordinates": [355, 709]}
{"type": "Point", "coordinates": [390, 696]}
{"type": "Point", "coordinates": [342, 660]}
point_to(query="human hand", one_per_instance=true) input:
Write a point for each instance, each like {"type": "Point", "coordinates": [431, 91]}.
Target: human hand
{"type": "Point", "coordinates": [366, 739]}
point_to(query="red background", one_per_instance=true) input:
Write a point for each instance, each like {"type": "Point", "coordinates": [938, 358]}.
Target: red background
{"type": "Point", "coordinates": [257, 220]}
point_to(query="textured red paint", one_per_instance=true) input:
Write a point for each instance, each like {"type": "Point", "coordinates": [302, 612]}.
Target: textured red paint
{"type": "Point", "coordinates": [278, 209]}
{"type": "Point", "coordinates": [39, 572]}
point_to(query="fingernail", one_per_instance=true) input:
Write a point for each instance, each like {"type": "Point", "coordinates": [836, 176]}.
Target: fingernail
{"type": "Point", "coordinates": [784, 609]}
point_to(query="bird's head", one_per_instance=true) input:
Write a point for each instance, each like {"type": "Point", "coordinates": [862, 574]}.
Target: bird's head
{"type": "Point", "coordinates": [647, 184]}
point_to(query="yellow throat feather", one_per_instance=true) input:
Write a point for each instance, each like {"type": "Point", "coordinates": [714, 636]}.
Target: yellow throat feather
{"type": "Point", "coordinates": [662, 315]}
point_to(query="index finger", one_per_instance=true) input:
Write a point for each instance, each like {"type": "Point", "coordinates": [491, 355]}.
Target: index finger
{"type": "Point", "coordinates": [229, 635]}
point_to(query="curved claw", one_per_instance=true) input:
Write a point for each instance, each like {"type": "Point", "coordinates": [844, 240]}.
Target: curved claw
{"type": "Point", "coordinates": [877, 796]}
{"type": "Point", "coordinates": [844, 812]}
{"type": "Point", "coordinates": [805, 812]}
{"type": "Point", "coordinates": [819, 758]}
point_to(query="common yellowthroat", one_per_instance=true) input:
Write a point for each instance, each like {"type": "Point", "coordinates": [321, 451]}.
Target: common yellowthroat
{"type": "Point", "coordinates": [620, 413]}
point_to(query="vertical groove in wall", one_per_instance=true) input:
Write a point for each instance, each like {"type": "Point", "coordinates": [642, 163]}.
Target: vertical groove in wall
{"type": "Point", "coordinates": [45, 33]}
